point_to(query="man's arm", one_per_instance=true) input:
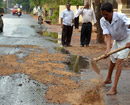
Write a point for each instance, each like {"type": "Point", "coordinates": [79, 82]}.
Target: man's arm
{"type": "Point", "coordinates": [62, 16]}
{"type": "Point", "coordinates": [94, 18]}
{"type": "Point", "coordinates": [62, 23]}
{"type": "Point", "coordinates": [108, 42]}
{"type": "Point", "coordinates": [128, 45]}
{"type": "Point", "coordinates": [79, 12]}
{"type": "Point", "coordinates": [129, 26]}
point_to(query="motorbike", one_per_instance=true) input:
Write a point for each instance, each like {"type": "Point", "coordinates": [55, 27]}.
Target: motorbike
{"type": "Point", "coordinates": [1, 23]}
{"type": "Point", "coordinates": [19, 14]}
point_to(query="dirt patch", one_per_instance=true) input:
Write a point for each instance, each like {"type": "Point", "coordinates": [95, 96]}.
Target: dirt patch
{"type": "Point", "coordinates": [48, 69]}
{"type": "Point", "coordinates": [91, 95]}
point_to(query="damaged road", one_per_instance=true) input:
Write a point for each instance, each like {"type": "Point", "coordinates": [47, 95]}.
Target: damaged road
{"type": "Point", "coordinates": [35, 70]}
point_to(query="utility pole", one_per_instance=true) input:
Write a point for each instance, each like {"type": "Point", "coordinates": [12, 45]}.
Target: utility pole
{"type": "Point", "coordinates": [7, 6]}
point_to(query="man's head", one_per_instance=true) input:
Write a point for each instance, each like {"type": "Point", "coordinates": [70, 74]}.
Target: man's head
{"type": "Point", "coordinates": [87, 5]}
{"type": "Point", "coordinates": [68, 6]}
{"type": "Point", "coordinates": [40, 7]}
{"type": "Point", "coordinates": [107, 11]}
{"type": "Point", "coordinates": [77, 6]}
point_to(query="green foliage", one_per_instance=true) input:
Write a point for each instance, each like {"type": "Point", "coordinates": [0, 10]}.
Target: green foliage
{"type": "Point", "coordinates": [54, 17]}
{"type": "Point", "coordinates": [76, 2]}
{"type": "Point", "coordinates": [36, 2]}
{"type": "Point", "coordinates": [24, 3]}
{"type": "Point", "coordinates": [55, 4]}
{"type": "Point", "coordinates": [1, 3]}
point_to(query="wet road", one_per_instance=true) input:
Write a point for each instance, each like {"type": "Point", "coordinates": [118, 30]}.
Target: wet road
{"type": "Point", "coordinates": [18, 89]}
{"type": "Point", "coordinates": [21, 31]}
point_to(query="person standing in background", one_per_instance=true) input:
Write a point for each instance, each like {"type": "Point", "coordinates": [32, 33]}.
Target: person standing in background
{"type": "Point", "coordinates": [40, 12]}
{"type": "Point", "coordinates": [67, 18]}
{"type": "Point", "coordinates": [88, 15]}
{"type": "Point", "coordinates": [76, 20]}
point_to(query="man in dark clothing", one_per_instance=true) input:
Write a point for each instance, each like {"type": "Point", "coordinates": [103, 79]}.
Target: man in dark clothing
{"type": "Point", "coordinates": [88, 15]}
{"type": "Point", "coordinates": [77, 18]}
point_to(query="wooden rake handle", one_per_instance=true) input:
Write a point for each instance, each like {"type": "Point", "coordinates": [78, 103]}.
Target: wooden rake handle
{"type": "Point", "coordinates": [112, 52]}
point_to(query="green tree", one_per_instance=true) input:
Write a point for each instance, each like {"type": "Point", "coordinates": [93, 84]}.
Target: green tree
{"type": "Point", "coordinates": [37, 2]}
{"type": "Point", "coordinates": [1, 3]}
{"type": "Point", "coordinates": [55, 4]}
{"type": "Point", "coordinates": [75, 2]}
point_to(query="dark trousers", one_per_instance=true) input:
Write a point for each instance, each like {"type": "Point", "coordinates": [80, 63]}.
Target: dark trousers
{"type": "Point", "coordinates": [76, 20]}
{"type": "Point", "coordinates": [86, 33]}
{"type": "Point", "coordinates": [66, 35]}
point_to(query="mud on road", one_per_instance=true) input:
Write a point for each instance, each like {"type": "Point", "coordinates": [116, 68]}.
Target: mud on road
{"type": "Point", "coordinates": [62, 86]}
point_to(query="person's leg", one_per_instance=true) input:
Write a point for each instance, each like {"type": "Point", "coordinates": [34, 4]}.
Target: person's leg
{"type": "Point", "coordinates": [64, 33]}
{"type": "Point", "coordinates": [109, 75]}
{"type": "Point", "coordinates": [83, 34]}
{"type": "Point", "coordinates": [77, 22]}
{"type": "Point", "coordinates": [113, 90]}
{"type": "Point", "coordinates": [88, 34]}
{"type": "Point", "coordinates": [69, 35]}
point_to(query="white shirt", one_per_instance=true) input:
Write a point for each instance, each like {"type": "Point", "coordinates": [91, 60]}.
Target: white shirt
{"type": "Point", "coordinates": [68, 17]}
{"type": "Point", "coordinates": [118, 29]}
{"type": "Point", "coordinates": [77, 10]}
{"type": "Point", "coordinates": [88, 15]}
{"type": "Point", "coordinates": [40, 12]}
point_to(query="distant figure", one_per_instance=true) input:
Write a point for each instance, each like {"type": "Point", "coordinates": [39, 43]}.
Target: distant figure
{"type": "Point", "coordinates": [19, 9]}
{"type": "Point", "coordinates": [19, 12]}
{"type": "Point", "coordinates": [77, 18]}
{"type": "Point", "coordinates": [40, 12]}
{"type": "Point", "coordinates": [88, 15]}
{"type": "Point", "coordinates": [115, 27]}
{"type": "Point", "coordinates": [67, 18]}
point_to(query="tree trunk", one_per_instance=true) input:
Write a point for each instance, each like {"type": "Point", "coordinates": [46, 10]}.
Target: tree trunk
{"type": "Point", "coordinates": [100, 36]}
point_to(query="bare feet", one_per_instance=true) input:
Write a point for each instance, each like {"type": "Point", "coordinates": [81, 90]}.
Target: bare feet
{"type": "Point", "coordinates": [112, 91]}
{"type": "Point", "coordinates": [107, 82]}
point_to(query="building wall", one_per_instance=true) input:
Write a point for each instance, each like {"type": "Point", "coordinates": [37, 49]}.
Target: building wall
{"type": "Point", "coordinates": [117, 4]}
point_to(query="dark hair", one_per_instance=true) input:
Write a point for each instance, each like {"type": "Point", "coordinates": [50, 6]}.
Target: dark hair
{"type": "Point", "coordinates": [107, 6]}
{"type": "Point", "coordinates": [77, 5]}
{"type": "Point", "coordinates": [68, 3]}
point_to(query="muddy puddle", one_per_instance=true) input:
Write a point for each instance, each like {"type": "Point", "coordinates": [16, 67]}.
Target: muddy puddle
{"type": "Point", "coordinates": [75, 63]}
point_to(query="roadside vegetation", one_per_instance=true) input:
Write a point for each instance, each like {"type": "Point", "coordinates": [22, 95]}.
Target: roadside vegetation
{"type": "Point", "coordinates": [53, 6]}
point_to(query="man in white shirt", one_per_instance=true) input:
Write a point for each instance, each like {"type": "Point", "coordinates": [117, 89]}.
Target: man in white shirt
{"type": "Point", "coordinates": [40, 12]}
{"type": "Point", "coordinates": [76, 20]}
{"type": "Point", "coordinates": [88, 15]}
{"type": "Point", "coordinates": [115, 26]}
{"type": "Point", "coordinates": [67, 18]}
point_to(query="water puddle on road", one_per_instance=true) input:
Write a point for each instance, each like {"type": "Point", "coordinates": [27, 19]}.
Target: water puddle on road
{"type": "Point", "coordinates": [51, 36]}
{"type": "Point", "coordinates": [75, 63]}
{"type": "Point", "coordinates": [78, 63]}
